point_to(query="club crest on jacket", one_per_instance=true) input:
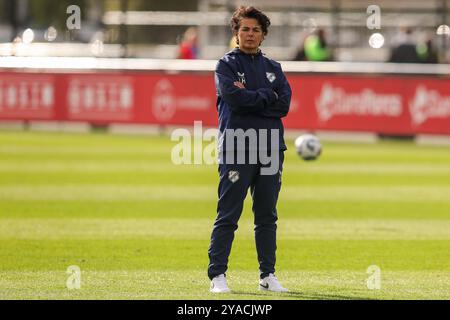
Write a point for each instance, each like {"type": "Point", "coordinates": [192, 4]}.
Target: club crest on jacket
{"type": "Point", "coordinates": [233, 176]}
{"type": "Point", "coordinates": [271, 76]}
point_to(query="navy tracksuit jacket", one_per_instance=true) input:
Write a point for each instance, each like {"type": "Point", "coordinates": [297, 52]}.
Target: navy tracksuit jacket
{"type": "Point", "coordinates": [261, 105]}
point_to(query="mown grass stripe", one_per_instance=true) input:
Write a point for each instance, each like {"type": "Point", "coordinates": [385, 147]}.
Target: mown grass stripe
{"type": "Point", "coordinates": [323, 229]}
{"type": "Point", "coordinates": [193, 209]}
{"type": "Point", "coordinates": [139, 165]}
{"type": "Point", "coordinates": [150, 284]}
{"type": "Point", "coordinates": [403, 193]}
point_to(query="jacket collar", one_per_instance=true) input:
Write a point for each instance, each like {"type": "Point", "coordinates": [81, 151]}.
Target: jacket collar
{"type": "Point", "coordinates": [239, 51]}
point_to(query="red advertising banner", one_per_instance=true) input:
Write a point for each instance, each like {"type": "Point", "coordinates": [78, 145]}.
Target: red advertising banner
{"type": "Point", "coordinates": [25, 97]}
{"type": "Point", "coordinates": [381, 104]}
{"type": "Point", "coordinates": [99, 98]}
{"type": "Point", "coordinates": [390, 105]}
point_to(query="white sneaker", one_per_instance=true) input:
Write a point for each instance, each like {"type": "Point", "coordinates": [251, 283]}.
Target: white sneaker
{"type": "Point", "coordinates": [219, 284]}
{"type": "Point", "coordinates": [271, 283]}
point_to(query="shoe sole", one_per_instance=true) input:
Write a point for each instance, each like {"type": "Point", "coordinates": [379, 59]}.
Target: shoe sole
{"type": "Point", "coordinates": [225, 291]}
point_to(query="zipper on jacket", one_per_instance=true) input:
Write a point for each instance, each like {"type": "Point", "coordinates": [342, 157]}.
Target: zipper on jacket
{"type": "Point", "coordinates": [255, 71]}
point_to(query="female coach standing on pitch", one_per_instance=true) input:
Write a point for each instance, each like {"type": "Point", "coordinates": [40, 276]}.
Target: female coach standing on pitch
{"type": "Point", "coordinates": [252, 95]}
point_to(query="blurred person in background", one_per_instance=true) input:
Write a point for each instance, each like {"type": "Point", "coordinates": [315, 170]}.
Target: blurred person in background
{"type": "Point", "coordinates": [252, 96]}
{"type": "Point", "coordinates": [300, 54]}
{"type": "Point", "coordinates": [314, 48]}
{"type": "Point", "coordinates": [188, 48]}
{"type": "Point", "coordinates": [405, 47]}
{"type": "Point", "coordinates": [427, 52]}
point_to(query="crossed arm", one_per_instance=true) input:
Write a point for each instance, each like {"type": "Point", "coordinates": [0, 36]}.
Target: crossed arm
{"type": "Point", "coordinates": [263, 101]}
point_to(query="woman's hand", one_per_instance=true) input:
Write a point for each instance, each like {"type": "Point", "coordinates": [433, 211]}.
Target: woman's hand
{"type": "Point", "coordinates": [238, 84]}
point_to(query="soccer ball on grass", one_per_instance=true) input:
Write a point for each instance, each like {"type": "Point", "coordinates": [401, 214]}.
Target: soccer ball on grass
{"type": "Point", "coordinates": [308, 147]}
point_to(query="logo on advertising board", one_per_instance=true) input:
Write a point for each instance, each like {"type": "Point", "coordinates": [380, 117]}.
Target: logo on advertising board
{"type": "Point", "coordinates": [100, 98]}
{"type": "Point", "coordinates": [27, 97]}
{"type": "Point", "coordinates": [335, 101]}
{"type": "Point", "coordinates": [428, 104]}
{"type": "Point", "coordinates": [163, 106]}
{"type": "Point", "coordinates": [167, 101]}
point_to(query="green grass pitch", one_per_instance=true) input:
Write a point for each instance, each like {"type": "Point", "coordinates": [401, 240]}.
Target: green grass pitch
{"type": "Point", "coordinates": [138, 227]}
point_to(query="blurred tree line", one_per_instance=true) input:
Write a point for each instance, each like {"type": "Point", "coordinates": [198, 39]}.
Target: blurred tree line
{"type": "Point", "coordinates": [44, 13]}
{"type": "Point", "coordinates": [151, 34]}
{"type": "Point", "coordinates": [41, 14]}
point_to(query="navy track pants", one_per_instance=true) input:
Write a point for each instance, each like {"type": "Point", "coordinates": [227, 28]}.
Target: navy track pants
{"type": "Point", "coordinates": [235, 180]}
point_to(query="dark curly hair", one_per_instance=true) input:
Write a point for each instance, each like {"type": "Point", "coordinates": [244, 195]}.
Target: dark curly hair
{"type": "Point", "coordinates": [252, 13]}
